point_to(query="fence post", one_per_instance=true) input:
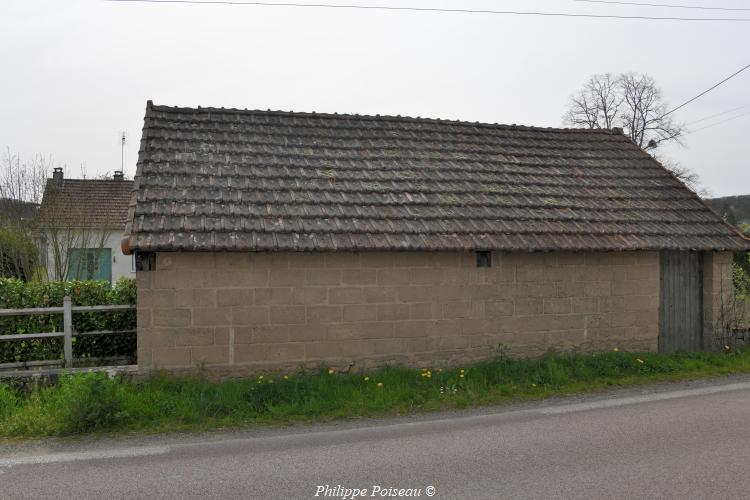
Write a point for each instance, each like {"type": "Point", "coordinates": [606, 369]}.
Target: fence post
{"type": "Point", "coordinates": [68, 330]}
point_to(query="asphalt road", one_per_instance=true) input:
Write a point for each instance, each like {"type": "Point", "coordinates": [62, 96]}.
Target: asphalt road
{"type": "Point", "coordinates": [689, 443]}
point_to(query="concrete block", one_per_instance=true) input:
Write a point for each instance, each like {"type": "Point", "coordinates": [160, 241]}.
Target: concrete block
{"type": "Point", "coordinates": [222, 335]}
{"type": "Point", "coordinates": [171, 357]}
{"type": "Point", "coordinates": [321, 277]}
{"type": "Point", "coordinates": [171, 317]}
{"type": "Point", "coordinates": [212, 316]}
{"type": "Point", "coordinates": [200, 297]}
{"type": "Point", "coordinates": [452, 310]}
{"type": "Point", "coordinates": [250, 315]}
{"type": "Point", "coordinates": [584, 305]}
{"type": "Point", "coordinates": [250, 353]}
{"type": "Point", "coordinates": [209, 355]}
{"type": "Point", "coordinates": [390, 312]}
{"type": "Point", "coordinates": [306, 332]}
{"type": "Point", "coordinates": [359, 276]}
{"type": "Point", "coordinates": [272, 296]}
{"type": "Point", "coordinates": [557, 306]}
{"type": "Point", "coordinates": [287, 315]}
{"type": "Point", "coordinates": [360, 312]}
{"type": "Point", "coordinates": [528, 307]}
{"type": "Point", "coordinates": [380, 294]}
{"type": "Point", "coordinates": [498, 308]}
{"type": "Point", "coordinates": [310, 295]}
{"type": "Point", "coordinates": [422, 310]}
{"type": "Point", "coordinates": [345, 295]}
{"type": "Point", "coordinates": [194, 337]}
{"type": "Point", "coordinates": [234, 297]}
{"type": "Point", "coordinates": [392, 277]}
{"type": "Point", "coordinates": [305, 260]}
{"type": "Point", "coordinates": [157, 298]}
{"type": "Point", "coordinates": [341, 260]}
{"type": "Point", "coordinates": [324, 314]}
{"type": "Point", "coordinates": [285, 277]}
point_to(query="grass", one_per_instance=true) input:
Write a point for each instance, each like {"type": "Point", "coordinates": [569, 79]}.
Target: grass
{"type": "Point", "coordinates": [86, 403]}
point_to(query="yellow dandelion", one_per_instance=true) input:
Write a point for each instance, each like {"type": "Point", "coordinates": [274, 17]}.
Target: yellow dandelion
{"type": "Point", "coordinates": [440, 370]}
{"type": "Point", "coordinates": [533, 385]}
{"type": "Point", "coordinates": [429, 375]}
{"type": "Point", "coordinates": [726, 347]}
{"type": "Point", "coordinates": [462, 375]}
{"type": "Point", "coordinates": [286, 377]}
{"type": "Point", "coordinates": [367, 379]}
{"type": "Point", "coordinates": [380, 384]}
{"type": "Point", "coordinates": [330, 371]}
{"type": "Point", "coordinates": [639, 360]}
{"type": "Point", "coordinates": [270, 381]}
{"type": "Point", "coordinates": [260, 377]}
{"type": "Point", "coordinates": [616, 349]}
{"type": "Point", "coordinates": [462, 370]}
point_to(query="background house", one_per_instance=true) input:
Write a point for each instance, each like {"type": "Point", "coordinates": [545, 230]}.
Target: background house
{"type": "Point", "coordinates": [80, 226]}
{"type": "Point", "coordinates": [270, 239]}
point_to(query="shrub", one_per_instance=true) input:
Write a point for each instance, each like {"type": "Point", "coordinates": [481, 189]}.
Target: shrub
{"type": "Point", "coordinates": [18, 254]}
{"type": "Point", "coordinates": [18, 294]}
{"type": "Point", "coordinates": [85, 402]}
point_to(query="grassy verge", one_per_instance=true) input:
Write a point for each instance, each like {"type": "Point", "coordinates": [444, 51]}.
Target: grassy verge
{"type": "Point", "coordinates": [92, 403]}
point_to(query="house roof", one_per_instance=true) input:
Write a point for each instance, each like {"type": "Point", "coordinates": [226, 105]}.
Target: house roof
{"type": "Point", "coordinates": [225, 179]}
{"type": "Point", "coordinates": [85, 203]}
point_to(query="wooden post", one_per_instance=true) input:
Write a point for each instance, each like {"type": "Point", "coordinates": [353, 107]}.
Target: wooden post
{"type": "Point", "coordinates": [68, 331]}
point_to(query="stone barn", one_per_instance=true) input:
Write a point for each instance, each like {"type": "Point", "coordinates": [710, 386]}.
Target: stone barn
{"type": "Point", "coordinates": [273, 240]}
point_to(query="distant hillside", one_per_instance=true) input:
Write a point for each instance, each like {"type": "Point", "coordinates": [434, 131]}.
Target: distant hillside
{"type": "Point", "coordinates": [736, 209]}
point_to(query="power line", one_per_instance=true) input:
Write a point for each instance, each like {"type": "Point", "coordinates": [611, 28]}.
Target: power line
{"type": "Point", "coordinates": [719, 123]}
{"type": "Point", "coordinates": [717, 114]}
{"type": "Point", "coordinates": [435, 9]}
{"type": "Point", "coordinates": [707, 90]}
{"type": "Point", "coordinates": [665, 5]}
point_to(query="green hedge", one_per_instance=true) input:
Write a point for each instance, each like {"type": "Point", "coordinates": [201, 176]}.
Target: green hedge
{"type": "Point", "coordinates": [16, 294]}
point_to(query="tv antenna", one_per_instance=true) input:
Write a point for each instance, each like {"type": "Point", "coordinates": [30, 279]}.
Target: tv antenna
{"type": "Point", "coordinates": [123, 142]}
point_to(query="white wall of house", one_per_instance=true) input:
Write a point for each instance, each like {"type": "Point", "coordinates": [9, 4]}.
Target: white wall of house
{"type": "Point", "coordinates": [122, 265]}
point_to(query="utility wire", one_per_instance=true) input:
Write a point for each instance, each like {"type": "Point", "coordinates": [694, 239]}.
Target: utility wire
{"type": "Point", "coordinates": [718, 123]}
{"type": "Point", "coordinates": [664, 5]}
{"type": "Point", "coordinates": [707, 90]}
{"type": "Point", "coordinates": [717, 114]}
{"type": "Point", "coordinates": [434, 9]}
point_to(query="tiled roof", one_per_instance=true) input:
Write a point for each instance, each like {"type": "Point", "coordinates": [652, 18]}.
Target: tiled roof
{"type": "Point", "coordinates": [226, 179]}
{"type": "Point", "coordinates": [86, 203]}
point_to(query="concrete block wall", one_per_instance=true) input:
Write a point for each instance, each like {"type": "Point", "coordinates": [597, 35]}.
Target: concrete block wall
{"type": "Point", "coordinates": [256, 311]}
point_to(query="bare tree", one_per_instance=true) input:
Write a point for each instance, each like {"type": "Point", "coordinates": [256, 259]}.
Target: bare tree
{"type": "Point", "coordinates": [645, 118]}
{"type": "Point", "coordinates": [21, 188]}
{"type": "Point", "coordinates": [634, 103]}
{"type": "Point", "coordinates": [597, 104]}
{"type": "Point", "coordinates": [42, 225]}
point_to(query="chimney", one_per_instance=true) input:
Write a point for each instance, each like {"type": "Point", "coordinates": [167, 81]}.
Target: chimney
{"type": "Point", "coordinates": [118, 175]}
{"type": "Point", "coordinates": [57, 175]}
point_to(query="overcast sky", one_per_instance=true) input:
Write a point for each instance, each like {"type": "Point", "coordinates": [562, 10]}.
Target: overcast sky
{"type": "Point", "coordinates": [77, 73]}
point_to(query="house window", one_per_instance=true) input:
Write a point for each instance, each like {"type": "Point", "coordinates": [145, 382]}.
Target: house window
{"type": "Point", "coordinates": [132, 262]}
{"type": "Point", "coordinates": [484, 259]}
{"type": "Point", "coordinates": [90, 264]}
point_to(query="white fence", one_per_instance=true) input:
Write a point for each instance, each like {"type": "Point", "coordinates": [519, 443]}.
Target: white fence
{"type": "Point", "coordinates": [67, 310]}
